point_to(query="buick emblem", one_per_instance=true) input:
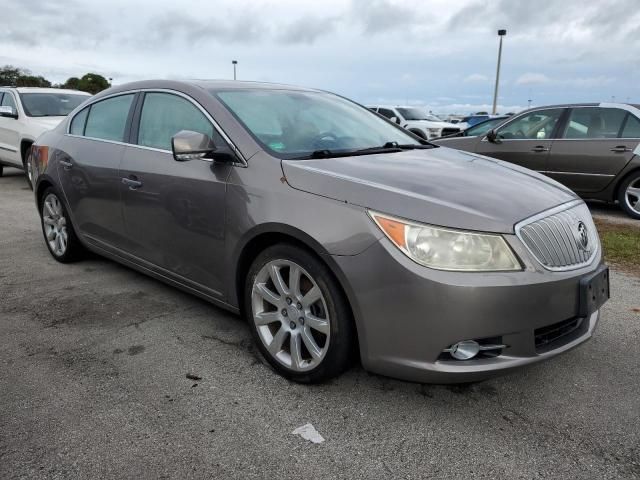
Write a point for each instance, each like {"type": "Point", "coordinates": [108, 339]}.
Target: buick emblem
{"type": "Point", "coordinates": [583, 236]}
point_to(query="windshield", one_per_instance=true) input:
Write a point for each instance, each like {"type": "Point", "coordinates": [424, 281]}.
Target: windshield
{"type": "Point", "coordinates": [50, 104]}
{"type": "Point", "coordinates": [417, 114]}
{"type": "Point", "coordinates": [294, 124]}
{"type": "Point", "coordinates": [484, 127]}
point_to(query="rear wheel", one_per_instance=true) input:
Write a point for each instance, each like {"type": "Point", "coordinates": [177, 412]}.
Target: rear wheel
{"type": "Point", "coordinates": [59, 235]}
{"type": "Point", "coordinates": [298, 316]}
{"type": "Point", "coordinates": [629, 195]}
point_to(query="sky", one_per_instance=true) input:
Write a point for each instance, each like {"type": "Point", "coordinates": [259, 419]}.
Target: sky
{"type": "Point", "coordinates": [440, 54]}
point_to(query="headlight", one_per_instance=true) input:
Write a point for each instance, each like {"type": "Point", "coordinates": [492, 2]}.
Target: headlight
{"type": "Point", "coordinates": [448, 249]}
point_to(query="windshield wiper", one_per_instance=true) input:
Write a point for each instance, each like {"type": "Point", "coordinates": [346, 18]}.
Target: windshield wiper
{"type": "Point", "coordinates": [389, 147]}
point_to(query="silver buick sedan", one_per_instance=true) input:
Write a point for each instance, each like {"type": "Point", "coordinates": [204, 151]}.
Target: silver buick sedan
{"type": "Point", "coordinates": [331, 230]}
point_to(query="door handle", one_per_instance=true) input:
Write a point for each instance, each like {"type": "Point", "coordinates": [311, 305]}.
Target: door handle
{"type": "Point", "coordinates": [132, 183]}
{"type": "Point", "coordinates": [539, 148]}
{"type": "Point", "coordinates": [620, 149]}
{"type": "Point", "coordinates": [66, 165]}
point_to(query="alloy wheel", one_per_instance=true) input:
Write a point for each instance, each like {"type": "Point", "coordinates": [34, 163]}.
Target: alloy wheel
{"type": "Point", "coordinates": [55, 225]}
{"type": "Point", "coordinates": [290, 315]}
{"type": "Point", "coordinates": [632, 195]}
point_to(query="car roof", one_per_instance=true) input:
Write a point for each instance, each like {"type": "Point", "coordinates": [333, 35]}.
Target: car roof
{"type": "Point", "coordinates": [47, 90]}
{"type": "Point", "coordinates": [208, 85]}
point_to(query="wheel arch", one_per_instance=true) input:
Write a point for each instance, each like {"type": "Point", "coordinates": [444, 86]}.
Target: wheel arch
{"type": "Point", "coordinates": [418, 132]}
{"type": "Point", "coordinates": [25, 144]}
{"type": "Point", "coordinates": [264, 236]}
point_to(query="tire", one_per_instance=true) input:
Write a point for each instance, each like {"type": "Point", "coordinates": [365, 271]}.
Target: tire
{"type": "Point", "coordinates": [629, 195]}
{"type": "Point", "coordinates": [1, 170]}
{"type": "Point", "coordinates": [322, 335]}
{"type": "Point", "coordinates": [27, 164]}
{"type": "Point", "coordinates": [59, 235]}
{"type": "Point", "coordinates": [418, 133]}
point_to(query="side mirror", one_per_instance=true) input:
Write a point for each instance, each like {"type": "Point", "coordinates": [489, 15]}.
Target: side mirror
{"type": "Point", "coordinates": [395, 120]}
{"type": "Point", "coordinates": [8, 112]}
{"type": "Point", "coordinates": [187, 145]}
{"type": "Point", "coordinates": [493, 137]}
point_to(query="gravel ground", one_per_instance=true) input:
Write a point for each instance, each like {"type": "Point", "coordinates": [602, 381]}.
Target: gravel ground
{"type": "Point", "coordinates": [93, 364]}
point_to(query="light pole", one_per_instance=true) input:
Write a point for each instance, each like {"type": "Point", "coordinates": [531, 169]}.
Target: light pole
{"type": "Point", "coordinates": [234, 62]}
{"type": "Point", "coordinates": [501, 33]}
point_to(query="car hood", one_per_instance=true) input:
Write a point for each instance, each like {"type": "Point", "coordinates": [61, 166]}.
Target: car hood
{"type": "Point", "coordinates": [430, 124]}
{"type": "Point", "coordinates": [46, 123]}
{"type": "Point", "coordinates": [439, 186]}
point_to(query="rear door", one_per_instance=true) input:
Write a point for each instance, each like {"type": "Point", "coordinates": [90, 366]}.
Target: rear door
{"type": "Point", "coordinates": [526, 140]}
{"type": "Point", "coordinates": [595, 145]}
{"type": "Point", "coordinates": [89, 162]}
{"type": "Point", "coordinates": [174, 211]}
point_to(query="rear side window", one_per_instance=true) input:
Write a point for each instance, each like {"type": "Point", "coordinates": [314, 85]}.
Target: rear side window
{"type": "Point", "coordinates": [107, 119]}
{"type": "Point", "coordinates": [164, 115]}
{"type": "Point", "coordinates": [594, 122]}
{"type": "Point", "coordinates": [78, 122]}
{"type": "Point", "coordinates": [631, 128]}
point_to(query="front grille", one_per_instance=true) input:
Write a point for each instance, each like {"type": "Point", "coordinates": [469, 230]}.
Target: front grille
{"type": "Point", "coordinates": [562, 238]}
{"type": "Point", "coordinates": [448, 131]}
{"type": "Point", "coordinates": [558, 334]}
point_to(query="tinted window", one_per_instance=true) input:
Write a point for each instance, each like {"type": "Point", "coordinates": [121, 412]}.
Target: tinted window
{"type": "Point", "coordinates": [108, 118]}
{"type": "Point", "coordinates": [78, 122]}
{"type": "Point", "coordinates": [50, 104]}
{"type": "Point", "coordinates": [632, 128]}
{"type": "Point", "coordinates": [536, 125]}
{"type": "Point", "coordinates": [8, 101]}
{"type": "Point", "coordinates": [594, 123]}
{"type": "Point", "coordinates": [385, 112]}
{"type": "Point", "coordinates": [303, 122]}
{"type": "Point", "coordinates": [164, 115]}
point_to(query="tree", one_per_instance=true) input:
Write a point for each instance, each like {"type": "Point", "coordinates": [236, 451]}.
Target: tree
{"type": "Point", "coordinates": [9, 75]}
{"type": "Point", "coordinates": [91, 82]}
{"type": "Point", "coordinates": [32, 81]}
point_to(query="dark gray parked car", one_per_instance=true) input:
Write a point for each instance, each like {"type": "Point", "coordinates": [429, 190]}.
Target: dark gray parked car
{"type": "Point", "coordinates": [591, 148]}
{"type": "Point", "coordinates": [332, 230]}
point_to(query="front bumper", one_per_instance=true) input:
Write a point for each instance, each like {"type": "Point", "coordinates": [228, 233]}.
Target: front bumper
{"type": "Point", "coordinates": [407, 314]}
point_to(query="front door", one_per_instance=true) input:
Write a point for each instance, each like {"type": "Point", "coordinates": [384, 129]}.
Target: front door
{"type": "Point", "coordinates": [174, 211]}
{"type": "Point", "coordinates": [9, 137]}
{"type": "Point", "coordinates": [526, 140]}
{"type": "Point", "coordinates": [596, 144]}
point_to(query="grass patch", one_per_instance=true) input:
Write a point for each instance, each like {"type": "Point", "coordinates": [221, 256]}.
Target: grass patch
{"type": "Point", "coordinates": [621, 244]}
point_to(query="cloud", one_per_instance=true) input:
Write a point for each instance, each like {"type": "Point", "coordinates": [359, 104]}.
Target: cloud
{"type": "Point", "coordinates": [476, 78]}
{"type": "Point", "coordinates": [379, 16]}
{"type": "Point", "coordinates": [532, 79]}
{"type": "Point", "coordinates": [307, 29]}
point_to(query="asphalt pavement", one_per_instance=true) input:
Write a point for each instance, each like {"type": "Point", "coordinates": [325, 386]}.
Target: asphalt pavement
{"type": "Point", "coordinates": [94, 359]}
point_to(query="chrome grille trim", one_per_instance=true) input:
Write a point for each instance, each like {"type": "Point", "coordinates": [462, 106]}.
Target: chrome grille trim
{"type": "Point", "coordinates": [552, 236]}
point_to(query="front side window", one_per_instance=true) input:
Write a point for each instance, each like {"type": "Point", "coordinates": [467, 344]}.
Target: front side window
{"type": "Point", "coordinates": [385, 112]}
{"type": "Point", "coordinates": [483, 127]}
{"type": "Point", "coordinates": [50, 104]}
{"type": "Point", "coordinates": [294, 124]}
{"type": "Point", "coordinates": [164, 115]}
{"type": "Point", "coordinates": [594, 122]}
{"type": "Point", "coordinates": [8, 101]}
{"type": "Point", "coordinates": [538, 125]}
{"type": "Point", "coordinates": [108, 118]}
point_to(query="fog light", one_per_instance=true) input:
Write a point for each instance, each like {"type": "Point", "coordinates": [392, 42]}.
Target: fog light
{"type": "Point", "coordinates": [465, 350]}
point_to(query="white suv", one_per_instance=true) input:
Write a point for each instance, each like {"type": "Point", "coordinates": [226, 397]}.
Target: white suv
{"type": "Point", "coordinates": [26, 113]}
{"type": "Point", "coordinates": [417, 121]}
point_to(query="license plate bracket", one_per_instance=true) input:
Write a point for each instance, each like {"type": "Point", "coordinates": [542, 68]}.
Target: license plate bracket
{"type": "Point", "coordinates": [594, 291]}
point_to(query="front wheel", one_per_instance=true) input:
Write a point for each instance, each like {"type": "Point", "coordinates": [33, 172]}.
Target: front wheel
{"type": "Point", "coordinates": [28, 167]}
{"type": "Point", "coordinates": [59, 235]}
{"type": "Point", "coordinates": [629, 195]}
{"type": "Point", "coordinates": [298, 316]}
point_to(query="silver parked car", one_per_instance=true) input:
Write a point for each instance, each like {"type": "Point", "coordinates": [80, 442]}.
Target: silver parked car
{"type": "Point", "coordinates": [332, 230]}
